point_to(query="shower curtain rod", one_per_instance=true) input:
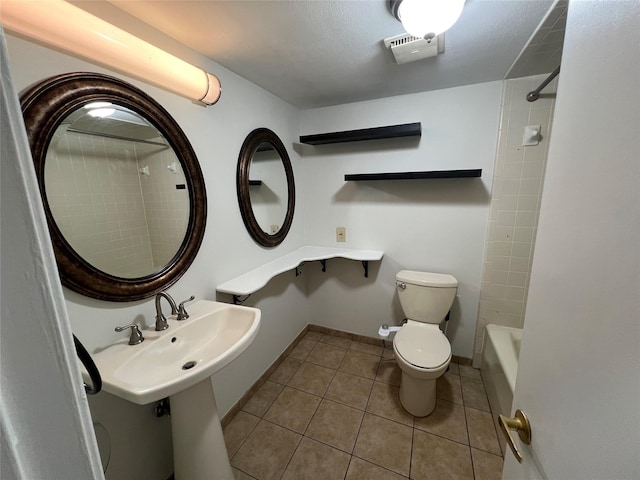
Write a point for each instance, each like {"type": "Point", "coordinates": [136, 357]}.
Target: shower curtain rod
{"type": "Point", "coordinates": [116, 137]}
{"type": "Point", "coordinates": [533, 95]}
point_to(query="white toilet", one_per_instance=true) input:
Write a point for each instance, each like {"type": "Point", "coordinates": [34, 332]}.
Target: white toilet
{"type": "Point", "coordinates": [423, 352]}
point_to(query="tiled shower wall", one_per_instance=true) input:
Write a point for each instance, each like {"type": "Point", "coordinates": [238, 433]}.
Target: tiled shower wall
{"type": "Point", "coordinates": [166, 205]}
{"type": "Point", "coordinates": [107, 210]}
{"type": "Point", "coordinates": [515, 202]}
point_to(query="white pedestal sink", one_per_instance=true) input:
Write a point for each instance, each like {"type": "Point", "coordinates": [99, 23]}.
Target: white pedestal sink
{"type": "Point", "coordinates": [178, 363]}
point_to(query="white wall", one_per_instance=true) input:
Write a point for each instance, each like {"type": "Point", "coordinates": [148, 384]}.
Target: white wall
{"type": "Point", "coordinates": [216, 134]}
{"type": "Point", "coordinates": [430, 225]}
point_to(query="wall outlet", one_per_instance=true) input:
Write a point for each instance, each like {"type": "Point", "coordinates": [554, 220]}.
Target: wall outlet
{"type": "Point", "coordinates": [341, 234]}
{"type": "Point", "coordinates": [274, 229]}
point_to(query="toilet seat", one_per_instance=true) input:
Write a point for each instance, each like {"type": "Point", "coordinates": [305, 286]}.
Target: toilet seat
{"type": "Point", "coordinates": [423, 346]}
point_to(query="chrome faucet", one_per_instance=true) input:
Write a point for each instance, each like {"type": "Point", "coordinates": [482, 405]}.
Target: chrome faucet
{"type": "Point", "coordinates": [182, 312]}
{"type": "Point", "coordinates": [136, 335]}
{"type": "Point", "coordinates": [161, 320]}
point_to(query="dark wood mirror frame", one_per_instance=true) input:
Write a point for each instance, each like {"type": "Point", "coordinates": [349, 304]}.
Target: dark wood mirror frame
{"type": "Point", "coordinates": [44, 107]}
{"type": "Point", "coordinates": [249, 148]}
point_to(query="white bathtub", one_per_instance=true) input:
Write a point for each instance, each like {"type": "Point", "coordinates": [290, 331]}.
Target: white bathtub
{"type": "Point", "coordinates": [500, 366]}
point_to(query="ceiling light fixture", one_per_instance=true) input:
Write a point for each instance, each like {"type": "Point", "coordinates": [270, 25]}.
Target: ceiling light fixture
{"type": "Point", "coordinates": [94, 105]}
{"type": "Point", "coordinates": [67, 27]}
{"type": "Point", "coordinates": [426, 18]}
{"type": "Point", "coordinates": [101, 112]}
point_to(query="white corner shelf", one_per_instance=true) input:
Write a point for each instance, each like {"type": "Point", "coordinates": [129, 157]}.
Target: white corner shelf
{"type": "Point", "coordinates": [257, 278]}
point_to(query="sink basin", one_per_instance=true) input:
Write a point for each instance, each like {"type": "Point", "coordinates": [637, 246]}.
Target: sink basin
{"type": "Point", "coordinates": [178, 363]}
{"type": "Point", "coordinates": [175, 359]}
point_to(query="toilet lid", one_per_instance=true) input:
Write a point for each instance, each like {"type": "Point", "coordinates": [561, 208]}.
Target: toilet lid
{"type": "Point", "coordinates": [424, 347]}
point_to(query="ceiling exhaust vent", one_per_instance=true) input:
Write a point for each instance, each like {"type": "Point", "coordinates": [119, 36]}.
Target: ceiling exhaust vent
{"type": "Point", "coordinates": [407, 48]}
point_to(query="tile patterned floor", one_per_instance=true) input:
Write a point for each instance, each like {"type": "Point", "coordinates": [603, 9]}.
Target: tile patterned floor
{"type": "Point", "coordinates": [331, 411]}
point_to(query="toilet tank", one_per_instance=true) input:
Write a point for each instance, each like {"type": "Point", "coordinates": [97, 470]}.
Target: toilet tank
{"type": "Point", "coordinates": [426, 297]}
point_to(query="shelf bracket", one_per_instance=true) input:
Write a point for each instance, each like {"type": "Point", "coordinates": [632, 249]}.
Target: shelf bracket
{"type": "Point", "coordinates": [324, 265]}
{"type": "Point", "coordinates": [238, 300]}
{"type": "Point", "coordinates": [365, 264]}
{"type": "Point", "coordinates": [298, 271]}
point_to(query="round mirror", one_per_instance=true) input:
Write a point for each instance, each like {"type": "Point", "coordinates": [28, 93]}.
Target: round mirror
{"type": "Point", "coordinates": [266, 190]}
{"type": "Point", "coordinates": [123, 192]}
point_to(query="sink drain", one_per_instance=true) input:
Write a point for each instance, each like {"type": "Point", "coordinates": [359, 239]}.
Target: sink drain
{"type": "Point", "coordinates": [189, 365]}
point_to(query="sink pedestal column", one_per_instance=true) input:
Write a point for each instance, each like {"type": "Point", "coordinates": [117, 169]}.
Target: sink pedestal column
{"type": "Point", "coordinates": [199, 451]}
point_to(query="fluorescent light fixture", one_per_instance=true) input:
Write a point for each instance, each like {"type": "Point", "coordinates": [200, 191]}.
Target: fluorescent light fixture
{"type": "Point", "coordinates": [67, 27]}
{"type": "Point", "coordinates": [92, 105]}
{"type": "Point", "coordinates": [427, 18]}
{"type": "Point", "coordinates": [101, 112]}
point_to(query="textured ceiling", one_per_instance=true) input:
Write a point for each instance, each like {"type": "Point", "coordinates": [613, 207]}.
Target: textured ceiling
{"type": "Point", "coordinates": [314, 53]}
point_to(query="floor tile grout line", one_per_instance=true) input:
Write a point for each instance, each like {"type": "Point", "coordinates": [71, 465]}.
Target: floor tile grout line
{"type": "Point", "coordinates": [326, 388]}
{"type": "Point", "coordinates": [291, 457]}
{"type": "Point", "coordinates": [413, 418]}
{"type": "Point", "coordinates": [346, 472]}
{"type": "Point", "coordinates": [239, 469]}
{"type": "Point", "coordinates": [498, 432]}
{"type": "Point", "coordinates": [466, 423]}
{"type": "Point", "coordinates": [338, 403]}
{"type": "Point", "coordinates": [413, 437]}
{"type": "Point", "coordinates": [246, 438]}
{"type": "Point", "coordinates": [473, 469]}
{"type": "Point", "coordinates": [380, 466]}
{"type": "Point", "coordinates": [303, 435]}
{"type": "Point", "coordinates": [464, 411]}
{"type": "Point", "coordinates": [321, 365]}
{"type": "Point", "coordinates": [364, 411]}
{"type": "Point", "coordinates": [318, 406]}
{"type": "Point", "coordinates": [359, 430]}
{"type": "Point", "coordinates": [333, 446]}
{"type": "Point", "coordinates": [352, 342]}
{"type": "Point", "coordinates": [392, 420]}
{"type": "Point", "coordinates": [338, 368]}
{"type": "Point", "coordinates": [449, 439]}
{"type": "Point", "coordinates": [362, 420]}
{"type": "Point", "coordinates": [329, 445]}
{"type": "Point", "coordinates": [294, 451]}
{"type": "Point", "coordinates": [305, 391]}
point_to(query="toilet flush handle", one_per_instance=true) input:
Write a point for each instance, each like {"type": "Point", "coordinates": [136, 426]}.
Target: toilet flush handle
{"type": "Point", "coordinates": [401, 285]}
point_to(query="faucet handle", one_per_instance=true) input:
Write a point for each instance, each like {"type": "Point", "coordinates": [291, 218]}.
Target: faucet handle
{"type": "Point", "coordinates": [136, 335]}
{"type": "Point", "coordinates": [182, 312]}
{"type": "Point", "coordinates": [161, 322]}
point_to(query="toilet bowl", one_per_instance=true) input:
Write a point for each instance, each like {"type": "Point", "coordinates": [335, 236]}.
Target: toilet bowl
{"type": "Point", "coordinates": [421, 349]}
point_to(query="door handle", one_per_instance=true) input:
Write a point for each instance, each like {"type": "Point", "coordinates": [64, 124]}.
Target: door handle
{"type": "Point", "coordinates": [521, 425]}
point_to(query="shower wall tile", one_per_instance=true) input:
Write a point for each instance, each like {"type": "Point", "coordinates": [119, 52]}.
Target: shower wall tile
{"type": "Point", "coordinates": [97, 201]}
{"type": "Point", "coordinates": [515, 201]}
{"type": "Point", "coordinates": [123, 222]}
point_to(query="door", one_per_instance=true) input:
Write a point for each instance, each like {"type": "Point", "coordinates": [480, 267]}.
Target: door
{"type": "Point", "coordinates": [579, 374]}
{"type": "Point", "coordinates": [45, 424]}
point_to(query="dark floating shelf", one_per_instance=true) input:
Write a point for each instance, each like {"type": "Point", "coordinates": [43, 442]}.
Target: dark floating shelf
{"type": "Point", "coordinates": [264, 147]}
{"type": "Point", "coordinates": [414, 175]}
{"type": "Point", "coordinates": [376, 133]}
